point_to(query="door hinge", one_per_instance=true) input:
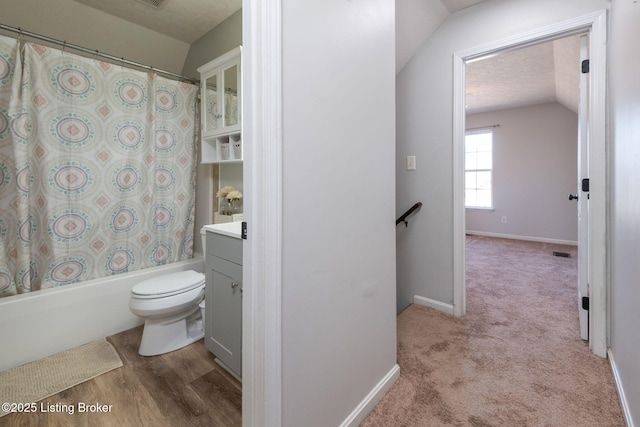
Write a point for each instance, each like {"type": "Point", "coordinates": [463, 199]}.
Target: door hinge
{"type": "Point", "coordinates": [585, 185]}
{"type": "Point", "coordinates": [585, 66]}
{"type": "Point", "coordinates": [585, 303]}
{"type": "Point", "coordinates": [244, 230]}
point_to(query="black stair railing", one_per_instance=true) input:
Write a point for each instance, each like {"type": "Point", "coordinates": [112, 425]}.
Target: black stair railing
{"type": "Point", "coordinates": [404, 216]}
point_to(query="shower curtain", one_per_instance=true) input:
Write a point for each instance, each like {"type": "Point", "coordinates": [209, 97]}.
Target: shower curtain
{"type": "Point", "coordinates": [97, 168]}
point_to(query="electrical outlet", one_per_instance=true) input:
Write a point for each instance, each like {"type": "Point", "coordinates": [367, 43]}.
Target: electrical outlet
{"type": "Point", "coordinates": [411, 163]}
{"type": "Point", "coordinates": [503, 220]}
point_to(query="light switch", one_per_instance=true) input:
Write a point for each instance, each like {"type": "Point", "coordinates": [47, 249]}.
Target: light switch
{"type": "Point", "coordinates": [411, 163]}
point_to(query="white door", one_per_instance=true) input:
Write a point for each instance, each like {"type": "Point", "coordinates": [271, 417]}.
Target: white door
{"type": "Point", "coordinates": [583, 196]}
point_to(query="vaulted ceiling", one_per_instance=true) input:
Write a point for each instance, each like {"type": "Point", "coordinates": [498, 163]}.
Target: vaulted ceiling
{"type": "Point", "coordinates": [547, 72]}
{"type": "Point", "coordinates": [543, 73]}
{"type": "Point", "coordinates": [416, 20]}
{"type": "Point", "coordinates": [456, 5]}
{"type": "Point", "coordinates": [184, 20]}
{"type": "Point", "coordinates": [537, 74]}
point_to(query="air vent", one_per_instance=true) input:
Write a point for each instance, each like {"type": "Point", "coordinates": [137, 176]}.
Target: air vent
{"type": "Point", "coordinates": [154, 3]}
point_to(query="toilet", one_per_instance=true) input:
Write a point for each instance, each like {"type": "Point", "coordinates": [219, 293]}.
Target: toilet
{"type": "Point", "coordinates": [170, 305]}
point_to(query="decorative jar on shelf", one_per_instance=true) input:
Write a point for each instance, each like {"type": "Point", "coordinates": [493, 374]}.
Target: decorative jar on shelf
{"type": "Point", "coordinates": [225, 206]}
{"type": "Point", "coordinates": [234, 206]}
{"type": "Point", "coordinates": [230, 202]}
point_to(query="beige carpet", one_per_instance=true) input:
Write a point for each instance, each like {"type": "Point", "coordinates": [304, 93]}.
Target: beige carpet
{"type": "Point", "coordinates": [45, 377]}
{"type": "Point", "coordinates": [516, 359]}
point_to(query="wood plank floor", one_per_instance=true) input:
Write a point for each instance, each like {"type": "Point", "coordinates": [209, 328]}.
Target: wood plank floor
{"type": "Point", "coordinates": [183, 388]}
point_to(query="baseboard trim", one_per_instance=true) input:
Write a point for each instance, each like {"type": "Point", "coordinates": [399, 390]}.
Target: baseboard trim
{"type": "Point", "coordinates": [623, 400]}
{"type": "Point", "coordinates": [427, 302]}
{"type": "Point", "coordinates": [528, 238]}
{"type": "Point", "coordinates": [362, 410]}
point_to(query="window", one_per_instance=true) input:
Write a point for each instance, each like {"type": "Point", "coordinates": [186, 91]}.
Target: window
{"type": "Point", "coordinates": [478, 165]}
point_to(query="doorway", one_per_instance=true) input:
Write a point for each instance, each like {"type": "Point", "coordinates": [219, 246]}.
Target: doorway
{"type": "Point", "coordinates": [595, 25]}
{"type": "Point", "coordinates": [522, 148]}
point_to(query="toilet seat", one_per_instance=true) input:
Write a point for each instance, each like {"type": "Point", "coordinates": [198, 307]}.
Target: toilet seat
{"type": "Point", "coordinates": [168, 285]}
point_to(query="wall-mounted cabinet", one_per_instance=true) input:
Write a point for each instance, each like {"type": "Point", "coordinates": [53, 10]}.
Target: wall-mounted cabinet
{"type": "Point", "coordinates": [221, 108]}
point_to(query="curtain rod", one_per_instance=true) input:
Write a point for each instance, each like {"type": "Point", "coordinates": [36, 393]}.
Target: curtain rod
{"type": "Point", "coordinates": [483, 127]}
{"type": "Point", "coordinates": [65, 45]}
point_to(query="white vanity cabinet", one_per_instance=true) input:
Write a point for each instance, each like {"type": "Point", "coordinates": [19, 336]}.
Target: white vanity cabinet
{"type": "Point", "coordinates": [223, 299]}
{"type": "Point", "coordinates": [221, 109]}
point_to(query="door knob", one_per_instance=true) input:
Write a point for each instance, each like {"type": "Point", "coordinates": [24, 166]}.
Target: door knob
{"type": "Point", "coordinates": [573, 197]}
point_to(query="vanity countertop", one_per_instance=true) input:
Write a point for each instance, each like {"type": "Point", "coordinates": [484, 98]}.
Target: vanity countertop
{"type": "Point", "coordinates": [231, 229]}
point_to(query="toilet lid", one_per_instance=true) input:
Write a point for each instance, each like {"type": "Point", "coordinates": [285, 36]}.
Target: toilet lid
{"type": "Point", "coordinates": [169, 284]}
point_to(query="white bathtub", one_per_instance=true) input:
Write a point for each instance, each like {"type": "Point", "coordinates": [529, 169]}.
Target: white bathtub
{"type": "Point", "coordinates": [46, 322]}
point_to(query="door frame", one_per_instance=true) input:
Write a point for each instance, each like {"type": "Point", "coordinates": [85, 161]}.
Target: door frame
{"type": "Point", "coordinates": [262, 251]}
{"type": "Point", "coordinates": [596, 24]}
{"type": "Point", "coordinates": [583, 202]}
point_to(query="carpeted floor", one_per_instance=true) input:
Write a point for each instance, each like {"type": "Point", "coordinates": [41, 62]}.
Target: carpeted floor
{"type": "Point", "coordinates": [515, 359]}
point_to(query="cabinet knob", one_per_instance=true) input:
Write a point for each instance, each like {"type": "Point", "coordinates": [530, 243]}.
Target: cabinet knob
{"type": "Point", "coordinates": [234, 285]}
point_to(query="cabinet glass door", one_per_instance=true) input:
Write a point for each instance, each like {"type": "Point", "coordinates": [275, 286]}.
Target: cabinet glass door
{"type": "Point", "coordinates": [231, 96]}
{"type": "Point", "coordinates": [211, 103]}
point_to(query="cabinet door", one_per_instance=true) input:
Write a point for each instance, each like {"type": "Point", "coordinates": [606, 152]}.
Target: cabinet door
{"type": "Point", "coordinates": [221, 109]}
{"type": "Point", "coordinates": [223, 329]}
{"type": "Point", "coordinates": [211, 113]}
{"type": "Point", "coordinates": [229, 98]}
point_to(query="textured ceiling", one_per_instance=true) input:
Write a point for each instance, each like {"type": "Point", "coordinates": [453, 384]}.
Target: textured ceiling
{"type": "Point", "coordinates": [188, 20]}
{"type": "Point", "coordinates": [184, 20]}
{"type": "Point", "coordinates": [547, 72]}
{"type": "Point", "coordinates": [537, 74]}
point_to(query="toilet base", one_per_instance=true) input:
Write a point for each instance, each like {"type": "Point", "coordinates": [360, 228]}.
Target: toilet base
{"type": "Point", "coordinates": [162, 335]}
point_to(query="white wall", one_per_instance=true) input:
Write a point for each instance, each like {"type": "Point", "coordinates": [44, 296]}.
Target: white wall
{"type": "Point", "coordinates": [85, 26]}
{"type": "Point", "coordinates": [425, 129]}
{"type": "Point", "coordinates": [338, 260]}
{"type": "Point", "coordinates": [625, 207]}
{"type": "Point", "coordinates": [535, 151]}
{"type": "Point", "coordinates": [416, 20]}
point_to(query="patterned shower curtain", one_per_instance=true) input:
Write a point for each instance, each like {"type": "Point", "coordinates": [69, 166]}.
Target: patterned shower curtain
{"type": "Point", "coordinates": [97, 168]}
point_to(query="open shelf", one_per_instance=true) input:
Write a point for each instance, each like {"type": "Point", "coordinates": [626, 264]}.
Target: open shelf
{"type": "Point", "coordinates": [222, 148]}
